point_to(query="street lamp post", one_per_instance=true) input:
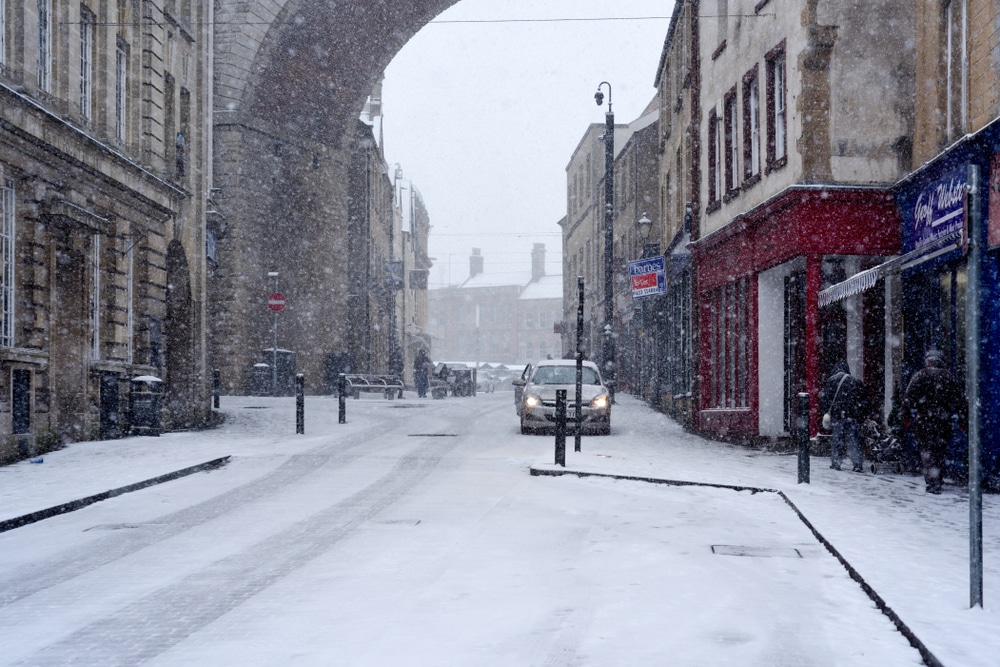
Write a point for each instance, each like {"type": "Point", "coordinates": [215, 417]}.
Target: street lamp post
{"type": "Point", "coordinates": [274, 350]}
{"type": "Point", "coordinates": [610, 371]}
{"type": "Point", "coordinates": [649, 350]}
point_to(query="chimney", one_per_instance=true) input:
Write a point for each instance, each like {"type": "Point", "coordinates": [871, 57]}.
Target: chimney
{"type": "Point", "coordinates": [475, 263]}
{"type": "Point", "coordinates": [537, 262]}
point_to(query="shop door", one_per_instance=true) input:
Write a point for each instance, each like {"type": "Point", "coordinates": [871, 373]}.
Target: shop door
{"type": "Point", "coordinates": [795, 344]}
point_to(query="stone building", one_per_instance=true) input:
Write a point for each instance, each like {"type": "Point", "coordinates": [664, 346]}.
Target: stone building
{"type": "Point", "coordinates": [104, 167]}
{"type": "Point", "coordinates": [635, 192]}
{"type": "Point", "coordinates": [677, 83]}
{"type": "Point", "coordinates": [805, 120]}
{"type": "Point", "coordinates": [498, 317]}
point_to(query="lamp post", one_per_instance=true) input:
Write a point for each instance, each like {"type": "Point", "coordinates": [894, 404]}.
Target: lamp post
{"type": "Point", "coordinates": [649, 350]}
{"type": "Point", "coordinates": [274, 350]}
{"type": "Point", "coordinates": [610, 371]}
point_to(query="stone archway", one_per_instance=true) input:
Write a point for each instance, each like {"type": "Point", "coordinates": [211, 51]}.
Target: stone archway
{"type": "Point", "coordinates": [288, 93]}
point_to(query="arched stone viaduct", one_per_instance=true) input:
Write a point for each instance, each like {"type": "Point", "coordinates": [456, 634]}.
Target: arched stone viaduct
{"type": "Point", "coordinates": [291, 78]}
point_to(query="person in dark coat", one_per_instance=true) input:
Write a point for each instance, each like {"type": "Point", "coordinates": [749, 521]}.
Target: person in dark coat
{"type": "Point", "coordinates": [847, 404]}
{"type": "Point", "coordinates": [420, 366]}
{"type": "Point", "coordinates": [934, 398]}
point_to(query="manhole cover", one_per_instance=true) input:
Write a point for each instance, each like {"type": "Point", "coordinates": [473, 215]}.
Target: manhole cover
{"type": "Point", "coordinates": [121, 526]}
{"type": "Point", "coordinates": [755, 552]}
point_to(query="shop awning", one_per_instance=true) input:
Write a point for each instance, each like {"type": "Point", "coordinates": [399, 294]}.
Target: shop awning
{"type": "Point", "coordinates": [868, 278]}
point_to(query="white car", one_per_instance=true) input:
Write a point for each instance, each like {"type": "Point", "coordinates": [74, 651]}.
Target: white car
{"type": "Point", "coordinates": [537, 406]}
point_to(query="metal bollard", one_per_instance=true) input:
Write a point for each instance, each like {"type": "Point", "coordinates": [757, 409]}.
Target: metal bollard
{"type": "Point", "coordinates": [561, 427]}
{"type": "Point", "coordinates": [215, 388]}
{"type": "Point", "coordinates": [341, 398]}
{"type": "Point", "coordinates": [300, 403]}
{"type": "Point", "coordinates": [802, 436]}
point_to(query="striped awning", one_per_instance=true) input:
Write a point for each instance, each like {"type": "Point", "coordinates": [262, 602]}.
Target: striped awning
{"type": "Point", "coordinates": [868, 278]}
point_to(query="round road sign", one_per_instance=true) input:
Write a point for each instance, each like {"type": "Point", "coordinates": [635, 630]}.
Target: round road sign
{"type": "Point", "coordinates": [276, 302]}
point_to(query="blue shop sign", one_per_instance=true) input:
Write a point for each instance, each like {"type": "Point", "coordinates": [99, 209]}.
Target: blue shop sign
{"type": "Point", "coordinates": [648, 277]}
{"type": "Point", "coordinates": [934, 210]}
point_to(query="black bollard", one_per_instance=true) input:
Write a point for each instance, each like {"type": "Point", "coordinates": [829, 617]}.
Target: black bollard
{"type": "Point", "coordinates": [341, 398]}
{"type": "Point", "coordinates": [802, 435]}
{"type": "Point", "coordinates": [215, 388]}
{"type": "Point", "coordinates": [300, 403]}
{"type": "Point", "coordinates": [561, 427]}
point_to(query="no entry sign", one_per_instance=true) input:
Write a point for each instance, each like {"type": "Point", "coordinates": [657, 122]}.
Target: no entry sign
{"type": "Point", "coordinates": [276, 302]}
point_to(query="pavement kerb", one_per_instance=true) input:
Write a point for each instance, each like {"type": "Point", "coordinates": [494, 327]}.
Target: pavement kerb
{"type": "Point", "coordinates": [929, 658]}
{"type": "Point", "coordinates": [73, 505]}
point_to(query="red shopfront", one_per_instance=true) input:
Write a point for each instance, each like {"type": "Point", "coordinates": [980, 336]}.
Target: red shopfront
{"type": "Point", "coordinates": [762, 336]}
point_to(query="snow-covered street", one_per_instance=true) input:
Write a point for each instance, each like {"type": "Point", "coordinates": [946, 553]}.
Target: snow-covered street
{"type": "Point", "coordinates": [415, 534]}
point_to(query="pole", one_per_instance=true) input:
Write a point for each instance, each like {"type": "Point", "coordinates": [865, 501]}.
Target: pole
{"type": "Point", "coordinates": [802, 435]}
{"type": "Point", "coordinates": [972, 389]}
{"type": "Point", "coordinates": [579, 362]}
{"type": "Point", "coordinates": [610, 371]}
{"type": "Point", "coordinates": [274, 348]}
{"type": "Point", "coordinates": [561, 427]}
{"type": "Point", "coordinates": [300, 402]}
{"type": "Point", "coordinates": [216, 382]}
{"type": "Point", "coordinates": [342, 398]}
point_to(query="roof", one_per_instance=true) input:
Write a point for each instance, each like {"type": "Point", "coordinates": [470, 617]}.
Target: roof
{"type": "Point", "coordinates": [546, 287]}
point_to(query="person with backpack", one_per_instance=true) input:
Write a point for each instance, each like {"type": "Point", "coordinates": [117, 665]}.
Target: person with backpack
{"type": "Point", "coordinates": [847, 407]}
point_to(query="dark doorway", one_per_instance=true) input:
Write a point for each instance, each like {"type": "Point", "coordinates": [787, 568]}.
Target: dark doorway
{"type": "Point", "coordinates": [795, 344]}
{"type": "Point", "coordinates": [109, 406]}
{"type": "Point", "coordinates": [20, 401]}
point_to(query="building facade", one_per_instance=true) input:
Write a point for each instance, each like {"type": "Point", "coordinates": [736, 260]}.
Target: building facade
{"type": "Point", "coordinates": [497, 318]}
{"type": "Point", "coordinates": [805, 124]}
{"type": "Point", "coordinates": [104, 151]}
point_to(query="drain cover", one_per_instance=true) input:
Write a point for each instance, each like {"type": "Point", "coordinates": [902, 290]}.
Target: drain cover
{"type": "Point", "coordinates": [433, 435]}
{"type": "Point", "coordinates": [755, 552]}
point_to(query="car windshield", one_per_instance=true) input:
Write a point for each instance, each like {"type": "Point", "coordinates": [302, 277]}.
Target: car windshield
{"type": "Point", "coordinates": [563, 375]}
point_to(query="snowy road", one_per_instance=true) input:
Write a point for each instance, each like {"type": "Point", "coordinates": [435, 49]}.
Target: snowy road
{"type": "Point", "coordinates": [414, 535]}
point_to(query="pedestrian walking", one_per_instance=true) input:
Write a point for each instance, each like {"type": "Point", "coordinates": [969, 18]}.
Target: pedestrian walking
{"type": "Point", "coordinates": [934, 399]}
{"type": "Point", "coordinates": [847, 407]}
{"type": "Point", "coordinates": [420, 369]}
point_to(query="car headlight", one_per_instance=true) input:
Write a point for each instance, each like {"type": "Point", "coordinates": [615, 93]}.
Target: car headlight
{"type": "Point", "coordinates": [532, 401]}
{"type": "Point", "coordinates": [600, 402]}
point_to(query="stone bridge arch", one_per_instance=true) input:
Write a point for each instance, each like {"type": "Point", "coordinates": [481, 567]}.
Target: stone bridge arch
{"type": "Point", "coordinates": [291, 79]}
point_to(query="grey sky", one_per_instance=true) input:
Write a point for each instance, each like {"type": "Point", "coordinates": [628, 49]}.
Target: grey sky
{"type": "Point", "coordinates": [483, 117]}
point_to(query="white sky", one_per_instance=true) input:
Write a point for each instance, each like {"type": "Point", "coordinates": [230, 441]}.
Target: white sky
{"type": "Point", "coordinates": [483, 117]}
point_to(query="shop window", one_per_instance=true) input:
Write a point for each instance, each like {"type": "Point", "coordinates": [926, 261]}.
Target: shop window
{"type": "Point", "coordinates": [728, 354]}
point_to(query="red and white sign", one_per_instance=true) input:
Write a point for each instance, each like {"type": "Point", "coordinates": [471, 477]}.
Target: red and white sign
{"type": "Point", "coordinates": [276, 302]}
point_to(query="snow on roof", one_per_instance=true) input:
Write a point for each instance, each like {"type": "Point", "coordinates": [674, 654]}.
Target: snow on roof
{"type": "Point", "coordinates": [546, 287]}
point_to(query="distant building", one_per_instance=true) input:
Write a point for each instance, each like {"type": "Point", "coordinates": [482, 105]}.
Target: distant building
{"type": "Point", "coordinates": [492, 318]}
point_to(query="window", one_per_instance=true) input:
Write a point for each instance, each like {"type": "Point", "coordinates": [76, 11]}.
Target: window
{"type": "Point", "coordinates": [86, 62]}
{"type": "Point", "coordinates": [95, 297]}
{"type": "Point", "coordinates": [751, 127]}
{"type": "Point", "coordinates": [727, 338]}
{"type": "Point", "coordinates": [121, 93]}
{"type": "Point", "coordinates": [714, 160]}
{"type": "Point", "coordinates": [7, 263]}
{"type": "Point", "coordinates": [44, 44]}
{"type": "Point", "coordinates": [3, 32]}
{"type": "Point", "coordinates": [732, 145]}
{"type": "Point", "coordinates": [529, 320]}
{"type": "Point", "coordinates": [777, 154]}
{"type": "Point", "coordinates": [957, 71]}
{"type": "Point", "coordinates": [129, 311]}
